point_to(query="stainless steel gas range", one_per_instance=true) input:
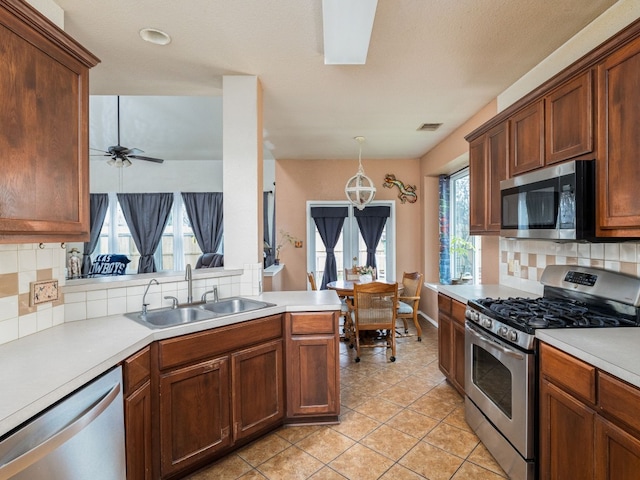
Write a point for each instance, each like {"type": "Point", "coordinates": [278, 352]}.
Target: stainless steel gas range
{"type": "Point", "coordinates": [501, 348]}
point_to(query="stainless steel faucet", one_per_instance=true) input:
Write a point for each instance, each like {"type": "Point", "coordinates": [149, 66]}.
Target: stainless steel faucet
{"type": "Point", "coordinates": [215, 295]}
{"type": "Point", "coordinates": [189, 279]}
{"type": "Point", "coordinates": [144, 297]}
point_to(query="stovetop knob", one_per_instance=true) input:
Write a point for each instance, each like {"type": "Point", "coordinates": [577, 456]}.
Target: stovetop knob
{"type": "Point", "coordinates": [502, 331]}
{"type": "Point", "coordinates": [486, 322]}
{"type": "Point", "coordinates": [513, 335]}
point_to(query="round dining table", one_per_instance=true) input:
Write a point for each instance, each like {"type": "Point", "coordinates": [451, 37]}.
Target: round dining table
{"type": "Point", "coordinates": [344, 288]}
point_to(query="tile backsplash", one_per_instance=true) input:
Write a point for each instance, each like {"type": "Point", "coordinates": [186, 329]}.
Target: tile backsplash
{"type": "Point", "coordinates": [523, 261]}
{"type": "Point", "coordinates": [21, 265]}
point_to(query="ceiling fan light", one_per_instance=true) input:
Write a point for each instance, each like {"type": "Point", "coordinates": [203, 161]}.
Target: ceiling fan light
{"type": "Point", "coordinates": [111, 162]}
{"type": "Point", "coordinates": [155, 36]}
{"type": "Point", "coordinates": [126, 162]}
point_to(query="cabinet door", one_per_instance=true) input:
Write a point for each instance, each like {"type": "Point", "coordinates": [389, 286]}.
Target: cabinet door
{"type": "Point", "coordinates": [477, 186]}
{"type": "Point", "coordinates": [527, 139]}
{"type": "Point", "coordinates": [313, 374]}
{"type": "Point", "coordinates": [137, 418]}
{"type": "Point", "coordinates": [617, 453]}
{"type": "Point", "coordinates": [194, 414]}
{"type": "Point", "coordinates": [569, 120]}
{"type": "Point", "coordinates": [497, 170]}
{"type": "Point", "coordinates": [445, 339]}
{"type": "Point", "coordinates": [567, 435]}
{"type": "Point", "coordinates": [44, 96]}
{"type": "Point", "coordinates": [457, 378]}
{"type": "Point", "coordinates": [257, 387]}
{"type": "Point", "coordinates": [618, 175]}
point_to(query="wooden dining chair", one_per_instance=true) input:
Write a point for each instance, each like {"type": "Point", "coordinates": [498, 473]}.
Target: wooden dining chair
{"type": "Point", "coordinates": [350, 274]}
{"type": "Point", "coordinates": [409, 300]}
{"type": "Point", "coordinates": [374, 310]}
{"type": "Point", "coordinates": [312, 281]}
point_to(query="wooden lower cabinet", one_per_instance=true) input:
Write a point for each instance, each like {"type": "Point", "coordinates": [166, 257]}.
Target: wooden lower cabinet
{"type": "Point", "coordinates": [451, 340]}
{"type": "Point", "coordinates": [192, 399]}
{"type": "Point", "coordinates": [585, 432]}
{"type": "Point", "coordinates": [566, 428]}
{"type": "Point", "coordinates": [217, 390]}
{"type": "Point", "coordinates": [194, 414]}
{"type": "Point", "coordinates": [137, 415]}
{"type": "Point", "coordinates": [313, 379]}
{"type": "Point", "coordinates": [257, 388]}
{"type": "Point", "coordinates": [618, 452]}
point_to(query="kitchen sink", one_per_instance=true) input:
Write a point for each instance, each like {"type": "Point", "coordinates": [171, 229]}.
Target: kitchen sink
{"type": "Point", "coordinates": [171, 317]}
{"type": "Point", "coordinates": [229, 306]}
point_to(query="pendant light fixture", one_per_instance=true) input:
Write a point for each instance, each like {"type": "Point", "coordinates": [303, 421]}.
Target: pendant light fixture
{"type": "Point", "coordinates": [360, 189]}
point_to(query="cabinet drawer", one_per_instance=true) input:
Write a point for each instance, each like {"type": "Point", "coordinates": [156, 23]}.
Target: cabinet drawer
{"type": "Point", "coordinates": [457, 311]}
{"type": "Point", "coordinates": [311, 323]}
{"type": "Point", "coordinates": [137, 369]}
{"type": "Point", "coordinates": [619, 399]}
{"type": "Point", "coordinates": [444, 304]}
{"type": "Point", "coordinates": [573, 374]}
{"type": "Point", "coordinates": [197, 346]}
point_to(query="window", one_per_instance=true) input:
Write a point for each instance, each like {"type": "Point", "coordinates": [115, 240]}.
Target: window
{"type": "Point", "coordinates": [351, 244]}
{"type": "Point", "coordinates": [177, 247]}
{"type": "Point", "coordinates": [462, 245]}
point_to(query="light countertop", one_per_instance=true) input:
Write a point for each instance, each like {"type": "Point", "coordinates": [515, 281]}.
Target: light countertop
{"type": "Point", "coordinates": [40, 369]}
{"type": "Point", "coordinates": [462, 293]}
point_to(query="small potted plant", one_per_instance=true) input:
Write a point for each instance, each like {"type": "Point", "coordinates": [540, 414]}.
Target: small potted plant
{"type": "Point", "coordinates": [462, 249]}
{"type": "Point", "coordinates": [284, 239]}
{"type": "Point", "coordinates": [366, 273]}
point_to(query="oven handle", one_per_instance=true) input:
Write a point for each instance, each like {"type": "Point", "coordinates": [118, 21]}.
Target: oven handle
{"type": "Point", "coordinates": [495, 344]}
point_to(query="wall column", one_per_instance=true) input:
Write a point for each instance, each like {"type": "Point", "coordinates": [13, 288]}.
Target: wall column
{"type": "Point", "coordinates": [242, 171]}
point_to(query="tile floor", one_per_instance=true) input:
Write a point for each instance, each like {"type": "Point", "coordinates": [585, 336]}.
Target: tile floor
{"type": "Point", "coordinates": [398, 421]}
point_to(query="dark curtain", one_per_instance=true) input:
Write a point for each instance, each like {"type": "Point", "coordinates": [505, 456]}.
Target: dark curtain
{"type": "Point", "coordinates": [146, 215]}
{"type": "Point", "coordinates": [329, 221]}
{"type": "Point", "coordinates": [269, 252]}
{"type": "Point", "coordinates": [98, 204]}
{"type": "Point", "coordinates": [371, 222]}
{"type": "Point", "coordinates": [205, 214]}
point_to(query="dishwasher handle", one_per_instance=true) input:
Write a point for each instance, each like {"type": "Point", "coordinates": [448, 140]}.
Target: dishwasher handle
{"type": "Point", "coordinates": [38, 452]}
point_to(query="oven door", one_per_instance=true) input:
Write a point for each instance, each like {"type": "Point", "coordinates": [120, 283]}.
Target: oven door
{"type": "Point", "coordinates": [500, 381]}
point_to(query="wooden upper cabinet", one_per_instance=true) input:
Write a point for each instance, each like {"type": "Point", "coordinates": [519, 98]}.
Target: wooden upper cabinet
{"type": "Point", "coordinates": [617, 167]}
{"type": "Point", "coordinates": [44, 113]}
{"type": "Point", "coordinates": [488, 165]}
{"type": "Point", "coordinates": [569, 120]}
{"type": "Point", "coordinates": [527, 139]}
{"type": "Point", "coordinates": [477, 186]}
{"type": "Point", "coordinates": [497, 170]}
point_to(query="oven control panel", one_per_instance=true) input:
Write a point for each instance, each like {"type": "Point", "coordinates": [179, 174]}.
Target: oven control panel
{"type": "Point", "coordinates": [581, 278]}
{"type": "Point", "coordinates": [499, 329]}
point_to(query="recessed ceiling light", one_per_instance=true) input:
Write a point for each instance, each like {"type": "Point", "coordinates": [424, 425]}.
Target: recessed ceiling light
{"type": "Point", "coordinates": [153, 35]}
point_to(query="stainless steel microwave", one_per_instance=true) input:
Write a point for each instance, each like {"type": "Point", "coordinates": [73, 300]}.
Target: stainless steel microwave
{"type": "Point", "coordinates": [555, 203]}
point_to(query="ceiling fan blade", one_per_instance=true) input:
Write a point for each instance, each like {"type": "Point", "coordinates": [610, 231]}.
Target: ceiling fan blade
{"type": "Point", "coordinates": [98, 150]}
{"type": "Point", "coordinates": [148, 159]}
{"type": "Point", "coordinates": [133, 151]}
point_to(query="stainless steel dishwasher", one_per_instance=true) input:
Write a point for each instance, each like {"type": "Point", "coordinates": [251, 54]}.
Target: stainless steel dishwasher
{"type": "Point", "coordinates": [79, 438]}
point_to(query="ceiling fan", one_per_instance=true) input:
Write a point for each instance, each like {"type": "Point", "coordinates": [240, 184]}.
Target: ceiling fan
{"type": "Point", "coordinates": [120, 155]}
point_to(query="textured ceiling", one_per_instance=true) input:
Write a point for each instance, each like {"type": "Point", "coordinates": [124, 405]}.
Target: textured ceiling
{"type": "Point", "coordinates": [429, 61]}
